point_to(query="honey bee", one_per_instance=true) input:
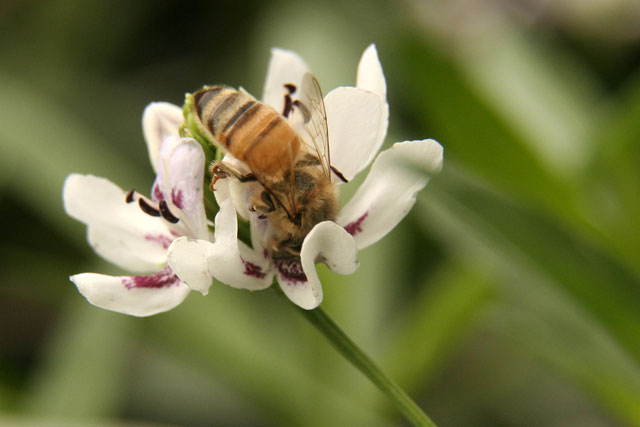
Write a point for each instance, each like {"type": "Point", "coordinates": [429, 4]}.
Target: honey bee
{"type": "Point", "coordinates": [292, 167]}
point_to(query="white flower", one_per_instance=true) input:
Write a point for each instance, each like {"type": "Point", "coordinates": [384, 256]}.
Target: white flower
{"type": "Point", "coordinates": [134, 232]}
{"type": "Point", "coordinates": [357, 120]}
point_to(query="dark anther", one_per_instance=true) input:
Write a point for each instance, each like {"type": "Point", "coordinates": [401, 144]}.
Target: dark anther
{"type": "Point", "coordinates": [148, 209]}
{"type": "Point", "coordinates": [166, 213]}
{"type": "Point", "coordinates": [130, 194]}
{"type": "Point", "coordinates": [262, 216]}
{"type": "Point", "coordinates": [339, 174]}
{"type": "Point", "coordinates": [291, 88]}
{"type": "Point", "coordinates": [287, 106]}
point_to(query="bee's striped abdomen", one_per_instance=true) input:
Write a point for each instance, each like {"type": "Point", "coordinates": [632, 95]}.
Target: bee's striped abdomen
{"type": "Point", "coordinates": [251, 131]}
{"type": "Point", "coordinates": [220, 107]}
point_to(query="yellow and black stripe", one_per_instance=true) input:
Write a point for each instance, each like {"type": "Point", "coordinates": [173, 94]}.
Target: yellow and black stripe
{"type": "Point", "coordinates": [248, 129]}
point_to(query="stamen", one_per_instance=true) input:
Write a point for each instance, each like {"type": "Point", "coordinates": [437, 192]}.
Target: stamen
{"type": "Point", "coordinates": [130, 194]}
{"type": "Point", "coordinates": [166, 213]}
{"type": "Point", "coordinates": [288, 102]}
{"type": "Point", "coordinates": [287, 106]}
{"type": "Point", "coordinates": [148, 209]}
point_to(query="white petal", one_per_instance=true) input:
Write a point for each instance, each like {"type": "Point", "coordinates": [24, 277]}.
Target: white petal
{"type": "Point", "coordinates": [328, 243]}
{"type": "Point", "coordinates": [179, 182]}
{"type": "Point", "coordinates": [159, 121]}
{"type": "Point", "coordinates": [134, 295]}
{"type": "Point", "coordinates": [124, 249]}
{"type": "Point", "coordinates": [390, 189]}
{"type": "Point", "coordinates": [189, 260]}
{"type": "Point", "coordinates": [118, 231]}
{"type": "Point", "coordinates": [353, 117]}
{"type": "Point", "coordinates": [370, 75]}
{"type": "Point", "coordinates": [285, 67]}
{"type": "Point", "coordinates": [231, 261]}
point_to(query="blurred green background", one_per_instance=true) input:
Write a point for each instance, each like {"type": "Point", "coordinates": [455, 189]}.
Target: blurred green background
{"type": "Point", "coordinates": [510, 296]}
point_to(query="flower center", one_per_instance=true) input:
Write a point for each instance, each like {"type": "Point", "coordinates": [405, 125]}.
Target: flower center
{"type": "Point", "coordinates": [291, 270]}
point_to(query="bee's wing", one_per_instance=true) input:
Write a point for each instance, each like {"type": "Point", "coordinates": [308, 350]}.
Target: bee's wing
{"type": "Point", "coordinates": [310, 105]}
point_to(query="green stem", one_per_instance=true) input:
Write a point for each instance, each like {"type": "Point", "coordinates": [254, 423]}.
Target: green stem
{"type": "Point", "coordinates": [360, 360]}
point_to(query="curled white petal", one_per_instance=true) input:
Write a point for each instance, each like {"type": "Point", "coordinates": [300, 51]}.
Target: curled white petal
{"type": "Point", "coordinates": [118, 231]}
{"type": "Point", "coordinates": [133, 295]}
{"type": "Point", "coordinates": [354, 118]}
{"type": "Point", "coordinates": [285, 67]}
{"type": "Point", "coordinates": [179, 182]}
{"type": "Point", "coordinates": [390, 189]}
{"type": "Point", "coordinates": [159, 121]}
{"type": "Point", "coordinates": [327, 242]}
{"type": "Point", "coordinates": [188, 259]}
{"type": "Point", "coordinates": [231, 261]}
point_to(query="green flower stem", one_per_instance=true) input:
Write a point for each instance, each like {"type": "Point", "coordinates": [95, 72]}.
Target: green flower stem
{"type": "Point", "coordinates": [360, 360]}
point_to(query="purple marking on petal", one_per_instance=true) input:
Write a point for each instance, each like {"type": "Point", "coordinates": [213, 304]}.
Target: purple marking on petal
{"type": "Point", "coordinates": [253, 270]}
{"type": "Point", "coordinates": [162, 279]}
{"type": "Point", "coordinates": [265, 253]}
{"type": "Point", "coordinates": [177, 199]}
{"type": "Point", "coordinates": [291, 270]}
{"type": "Point", "coordinates": [156, 193]}
{"type": "Point", "coordinates": [161, 239]}
{"type": "Point", "coordinates": [355, 227]}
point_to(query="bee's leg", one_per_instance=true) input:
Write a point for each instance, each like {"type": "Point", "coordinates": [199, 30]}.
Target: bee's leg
{"type": "Point", "coordinates": [221, 170]}
{"type": "Point", "coordinates": [285, 247]}
{"type": "Point", "coordinates": [311, 160]}
{"type": "Point", "coordinates": [339, 174]}
{"type": "Point", "coordinates": [264, 205]}
{"type": "Point", "coordinates": [265, 196]}
{"type": "Point", "coordinates": [293, 251]}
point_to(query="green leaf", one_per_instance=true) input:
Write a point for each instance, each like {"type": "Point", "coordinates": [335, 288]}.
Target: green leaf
{"type": "Point", "coordinates": [261, 349]}
{"type": "Point", "coordinates": [613, 179]}
{"type": "Point", "coordinates": [42, 144]}
{"type": "Point", "coordinates": [535, 243]}
{"type": "Point", "coordinates": [83, 371]}
{"type": "Point", "coordinates": [428, 330]}
{"type": "Point", "coordinates": [552, 328]}
{"type": "Point", "coordinates": [475, 132]}
{"type": "Point", "coordinates": [576, 304]}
